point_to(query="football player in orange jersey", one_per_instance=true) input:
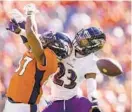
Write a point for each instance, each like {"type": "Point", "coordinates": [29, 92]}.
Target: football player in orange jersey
{"type": "Point", "coordinates": [25, 88]}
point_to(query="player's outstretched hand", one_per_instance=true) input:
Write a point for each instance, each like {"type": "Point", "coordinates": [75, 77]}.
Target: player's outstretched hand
{"type": "Point", "coordinates": [13, 26]}
{"type": "Point", "coordinates": [30, 9]}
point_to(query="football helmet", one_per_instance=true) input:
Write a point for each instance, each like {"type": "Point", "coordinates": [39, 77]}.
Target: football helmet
{"type": "Point", "coordinates": [59, 42]}
{"type": "Point", "coordinates": [89, 40]}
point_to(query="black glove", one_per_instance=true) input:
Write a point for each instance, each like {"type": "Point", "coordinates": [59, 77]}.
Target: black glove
{"type": "Point", "coordinates": [95, 109]}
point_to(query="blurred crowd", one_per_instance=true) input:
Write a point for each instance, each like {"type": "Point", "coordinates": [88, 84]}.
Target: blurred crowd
{"type": "Point", "coordinates": [113, 17]}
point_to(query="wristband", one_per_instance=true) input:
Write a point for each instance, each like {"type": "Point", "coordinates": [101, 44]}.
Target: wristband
{"type": "Point", "coordinates": [22, 33]}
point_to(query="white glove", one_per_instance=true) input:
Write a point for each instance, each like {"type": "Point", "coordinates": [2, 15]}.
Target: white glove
{"type": "Point", "coordinates": [17, 15]}
{"type": "Point", "coordinates": [30, 9]}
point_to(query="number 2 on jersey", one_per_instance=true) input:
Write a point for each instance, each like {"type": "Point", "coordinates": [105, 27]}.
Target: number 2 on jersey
{"type": "Point", "coordinates": [23, 67]}
{"type": "Point", "coordinates": [61, 73]}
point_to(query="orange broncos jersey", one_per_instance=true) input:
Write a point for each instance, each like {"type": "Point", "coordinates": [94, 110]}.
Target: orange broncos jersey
{"type": "Point", "coordinates": [26, 83]}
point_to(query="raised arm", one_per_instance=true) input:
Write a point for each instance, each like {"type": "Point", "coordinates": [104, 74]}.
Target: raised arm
{"type": "Point", "coordinates": [32, 35]}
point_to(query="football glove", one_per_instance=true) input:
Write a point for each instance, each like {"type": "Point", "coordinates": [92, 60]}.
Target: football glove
{"type": "Point", "coordinates": [16, 28]}
{"type": "Point", "coordinates": [95, 107]}
{"type": "Point", "coordinates": [13, 26]}
{"type": "Point", "coordinates": [30, 9]}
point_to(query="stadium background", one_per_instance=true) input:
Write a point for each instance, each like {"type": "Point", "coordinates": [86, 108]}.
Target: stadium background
{"type": "Point", "coordinates": [113, 17]}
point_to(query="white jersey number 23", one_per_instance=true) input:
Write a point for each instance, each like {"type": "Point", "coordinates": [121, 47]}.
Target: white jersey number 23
{"type": "Point", "coordinates": [61, 73]}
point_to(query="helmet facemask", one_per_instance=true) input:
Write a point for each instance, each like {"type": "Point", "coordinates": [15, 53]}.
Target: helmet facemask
{"type": "Point", "coordinates": [85, 43]}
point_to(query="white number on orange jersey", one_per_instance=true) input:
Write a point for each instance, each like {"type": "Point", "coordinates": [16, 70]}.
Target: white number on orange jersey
{"type": "Point", "coordinates": [26, 62]}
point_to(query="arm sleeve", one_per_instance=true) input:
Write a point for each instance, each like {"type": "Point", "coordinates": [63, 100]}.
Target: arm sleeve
{"type": "Point", "coordinates": [91, 67]}
{"type": "Point", "coordinates": [91, 88]}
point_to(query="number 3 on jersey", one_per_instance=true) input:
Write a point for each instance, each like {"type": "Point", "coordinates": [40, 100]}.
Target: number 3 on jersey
{"type": "Point", "coordinates": [61, 73]}
{"type": "Point", "coordinates": [27, 60]}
